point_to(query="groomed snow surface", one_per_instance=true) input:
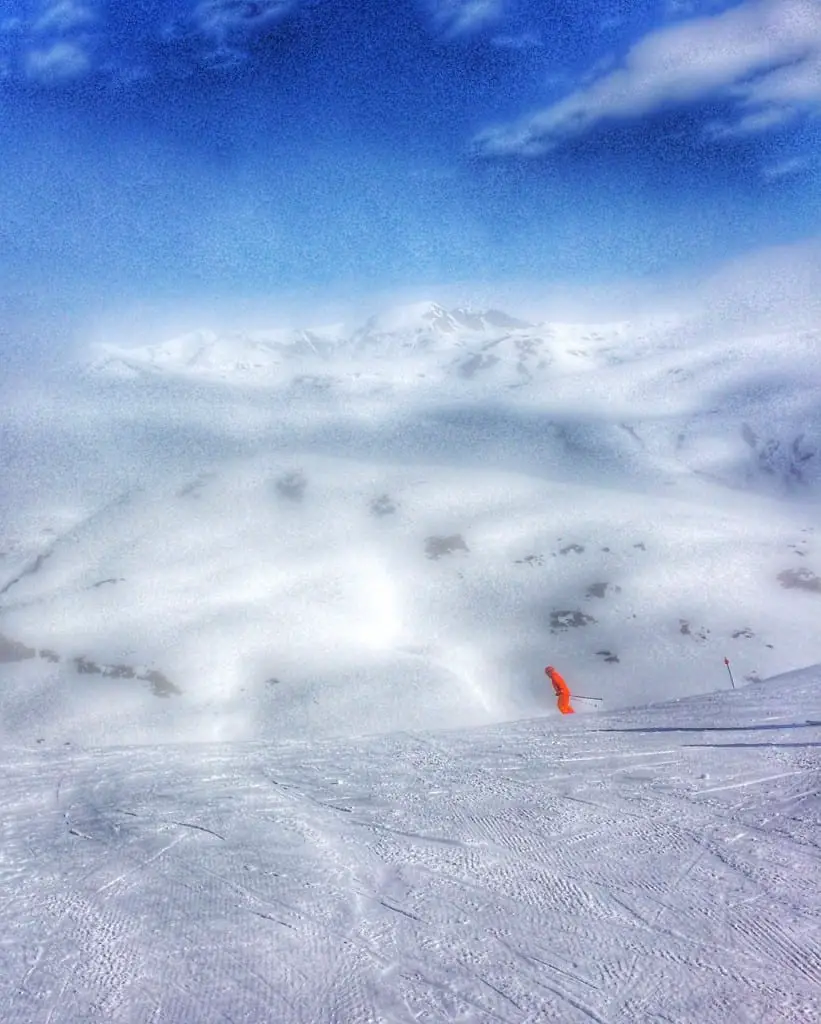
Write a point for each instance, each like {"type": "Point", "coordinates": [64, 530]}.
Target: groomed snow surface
{"type": "Point", "coordinates": [657, 864]}
{"type": "Point", "coordinates": [276, 744]}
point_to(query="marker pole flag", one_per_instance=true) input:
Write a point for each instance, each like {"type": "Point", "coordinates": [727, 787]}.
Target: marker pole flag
{"type": "Point", "coordinates": [730, 672]}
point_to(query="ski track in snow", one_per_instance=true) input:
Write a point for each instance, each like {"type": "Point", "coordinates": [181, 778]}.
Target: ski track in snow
{"type": "Point", "coordinates": [608, 870]}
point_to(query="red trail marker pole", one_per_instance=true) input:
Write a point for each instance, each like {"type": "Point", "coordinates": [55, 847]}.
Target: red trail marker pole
{"type": "Point", "coordinates": [730, 672]}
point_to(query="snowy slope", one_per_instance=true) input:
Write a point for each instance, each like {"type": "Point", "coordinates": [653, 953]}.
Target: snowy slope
{"type": "Point", "coordinates": [316, 595]}
{"type": "Point", "coordinates": [384, 532]}
{"type": "Point", "coordinates": [654, 864]}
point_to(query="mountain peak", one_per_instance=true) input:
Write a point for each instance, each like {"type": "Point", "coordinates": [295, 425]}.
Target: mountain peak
{"type": "Point", "coordinates": [491, 319]}
{"type": "Point", "coordinates": [414, 316]}
{"type": "Point", "coordinates": [431, 318]}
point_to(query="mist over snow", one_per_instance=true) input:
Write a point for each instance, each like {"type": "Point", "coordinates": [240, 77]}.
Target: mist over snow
{"type": "Point", "coordinates": [392, 523]}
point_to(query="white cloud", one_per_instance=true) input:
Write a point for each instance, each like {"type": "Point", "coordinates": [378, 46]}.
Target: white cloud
{"type": "Point", "coordinates": [217, 17]}
{"type": "Point", "coordinates": [688, 8]}
{"type": "Point", "coordinates": [759, 53]}
{"type": "Point", "coordinates": [787, 168]}
{"type": "Point", "coordinates": [798, 82]}
{"type": "Point", "coordinates": [459, 17]}
{"type": "Point", "coordinates": [611, 21]}
{"type": "Point", "coordinates": [674, 8]}
{"type": "Point", "coordinates": [751, 123]}
{"type": "Point", "coordinates": [523, 41]}
{"type": "Point", "coordinates": [62, 16]}
{"type": "Point", "coordinates": [57, 63]}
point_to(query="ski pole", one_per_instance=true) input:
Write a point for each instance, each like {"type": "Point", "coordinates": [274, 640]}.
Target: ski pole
{"type": "Point", "coordinates": [578, 696]}
{"type": "Point", "coordinates": [730, 671]}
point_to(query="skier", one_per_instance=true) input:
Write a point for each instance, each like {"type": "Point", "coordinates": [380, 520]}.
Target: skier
{"type": "Point", "coordinates": [561, 689]}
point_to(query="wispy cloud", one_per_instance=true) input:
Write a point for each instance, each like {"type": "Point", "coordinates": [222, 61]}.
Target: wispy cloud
{"type": "Point", "coordinates": [55, 41]}
{"type": "Point", "coordinates": [762, 55]}
{"type": "Point", "coordinates": [751, 123]}
{"type": "Point", "coordinates": [231, 17]}
{"type": "Point", "coordinates": [59, 62]}
{"type": "Point", "coordinates": [688, 8]}
{"type": "Point", "coordinates": [788, 168]}
{"type": "Point", "coordinates": [63, 16]}
{"type": "Point", "coordinates": [461, 17]}
{"type": "Point", "coordinates": [219, 34]}
{"type": "Point", "coordinates": [520, 41]}
{"type": "Point", "coordinates": [48, 42]}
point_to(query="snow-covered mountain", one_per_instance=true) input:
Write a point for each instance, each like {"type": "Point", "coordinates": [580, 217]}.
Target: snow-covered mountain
{"type": "Point", "coordinates": [429, 328]}
{"type": "Point", "coordinates": [423, 330]}
{"type": "Point", "coordinates": [741, 408]}
{"type": "Point", "coordinates": [386, 526]}
{"type": "Point", "coordinates": [205, 354]}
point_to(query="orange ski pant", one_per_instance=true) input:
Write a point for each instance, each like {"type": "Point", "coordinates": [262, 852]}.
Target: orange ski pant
{"type": "Point", "coordinates": [563, 703]}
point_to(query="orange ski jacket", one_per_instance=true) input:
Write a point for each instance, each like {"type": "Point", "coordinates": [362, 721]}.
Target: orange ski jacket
{"type": "Point", "coordinates": [561, 689]}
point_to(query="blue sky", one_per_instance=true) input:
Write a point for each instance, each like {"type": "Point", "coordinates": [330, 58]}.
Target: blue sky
{"type": "Point", "coordinates": [224, 147]}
